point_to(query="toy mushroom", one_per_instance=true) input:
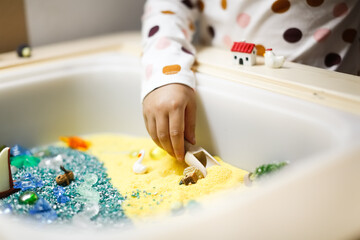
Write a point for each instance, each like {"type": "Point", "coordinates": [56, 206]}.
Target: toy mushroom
{"type": "Point", "coordinates": [66, 178]}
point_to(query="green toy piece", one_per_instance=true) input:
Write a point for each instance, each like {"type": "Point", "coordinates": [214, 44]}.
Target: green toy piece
{"type": "Point", "coordinates": [24, 161]}
{"type": "Point", "coordinates": [268, 168]}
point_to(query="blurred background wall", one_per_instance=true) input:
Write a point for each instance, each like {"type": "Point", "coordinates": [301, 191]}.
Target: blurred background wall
{"type": "Point", "coordinates": [40, 22]}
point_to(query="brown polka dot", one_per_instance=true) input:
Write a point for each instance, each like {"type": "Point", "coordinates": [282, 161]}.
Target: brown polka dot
{"type": "Point", "coordinates": [340, 9]}
{"type": "Point", "coordinates": [315, 3]}
{"type": "Point", "coordinates": [223, 4]}
{"type": "Point", "coordinates": [188, 3]}
{"type": "Point", "coordinates": [153, 31]}
{"type": "Point", "coordinates": [280, 6]}
{"type": "Point", "coordinates": [191, 26]}
{"type": "Point", "coordinates": [349, 35]}
{"type": "Point", "coordinates": [211, 31]}
{"type": "Point", "coordinates": [186, 51]}
{"type": "Point", "coordinates": [260, 50]}
{"type": "Point", "coordinates": [200, 5]}
{"type": "Point", "coordinates": [167, 12]}
{"type": "Point", "coordinates": [171, 69]}
{"type": "Point", "coordinates": [332, 59]}
{"type": "Point", "coordinates": [292, 35]}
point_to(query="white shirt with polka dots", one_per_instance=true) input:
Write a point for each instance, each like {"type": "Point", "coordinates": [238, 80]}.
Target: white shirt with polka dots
{"type": "Point", "coordinates": [321, 33]}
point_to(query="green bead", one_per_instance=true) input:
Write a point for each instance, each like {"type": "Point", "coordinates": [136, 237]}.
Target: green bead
{"type": "Point", "coordinates": [157, 153]}
{"type": "Point", "coordinates": [28, 198]}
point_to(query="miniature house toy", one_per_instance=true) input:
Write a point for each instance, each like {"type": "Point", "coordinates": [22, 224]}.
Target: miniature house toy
{"type": "Point", "coordinates": [244, 53]}
{"type": "Point", "coordinates": [6, 181]}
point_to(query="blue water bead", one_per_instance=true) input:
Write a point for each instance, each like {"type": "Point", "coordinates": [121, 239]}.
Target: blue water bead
{"type": "Point", "coordinates": [58, 191]}
{"type": "Point", "coordinates": [18, 150]}
{"type": "Point", "coordinates": [17, 184]}
{"type": "Point", "coordinates": [27, 181]}
{"type": "Point", "coordinates": [26, 185]}
{"type": "Point", "coordinates": [43, 210]}
{"type": "Point", "coordinates": [41, 206]}
{"type": "Point", "coordinates": [63, 199]}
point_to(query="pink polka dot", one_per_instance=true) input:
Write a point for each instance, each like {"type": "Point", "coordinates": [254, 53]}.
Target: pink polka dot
{"type": "Point", "coordinates": [340, 9]}
{"type": "Point", "coordinates": [185, 33]}
{"type": "Point", "coordinates": [321, 34]}
{"type": "Point", "coordinates": [227, 41]}
{"type": "Point", "coordinates": [243, 19]}
{"type": "Point", "coordinates": [163, 43]}
{"type": "Point", "coordinates": [148, 71]}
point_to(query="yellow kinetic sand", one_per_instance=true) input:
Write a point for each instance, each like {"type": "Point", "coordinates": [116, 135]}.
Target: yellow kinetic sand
{"type": "Point", "coordinates": [157, 191]}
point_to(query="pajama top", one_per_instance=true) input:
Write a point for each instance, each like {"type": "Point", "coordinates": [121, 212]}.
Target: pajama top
{"type": "Point", "coordinates": [321, 33]}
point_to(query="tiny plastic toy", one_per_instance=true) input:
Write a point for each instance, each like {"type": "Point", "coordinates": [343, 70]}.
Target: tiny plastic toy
{"type": "Point", "coordinates": [263, 170]}
{"type": "Point", "coordinates": [273, 61]}
{"type": "Point", "coordinates": [6, 180]}
{"type": "Point", "coordinates": [24, 51]}
{"type": "Point", "coordinates": [138, 167]}
{"type": "Point", "coordinates": [191, 176]}
{"type": "Point", "coordinates": [77, 143]}
{"type": "Point", "coordinates": [199, 158]}
{"type": "Point", "coordinates": [244, 53]}
{"type": "Point", "coordinates": [66, 178]}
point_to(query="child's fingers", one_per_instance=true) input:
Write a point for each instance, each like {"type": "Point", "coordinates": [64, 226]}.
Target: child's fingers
{"type": "Point", "coordinates": [162, 127]}
{"type": "Point", "coordinates": [151, 128]}
{"type": "Point", "coordinates": [176, 122]}
{"type": "Point", "coordinates": [190, 122]}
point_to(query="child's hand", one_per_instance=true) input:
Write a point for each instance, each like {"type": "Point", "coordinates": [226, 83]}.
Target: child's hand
{"type": "Point", "coordinates": [169, 114]}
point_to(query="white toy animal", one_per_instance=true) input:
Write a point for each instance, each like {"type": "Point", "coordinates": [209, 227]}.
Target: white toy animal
{"type": "Point", "coordinates": [138, 167]}
{"type": "Point", "coordinates": [273, 61]}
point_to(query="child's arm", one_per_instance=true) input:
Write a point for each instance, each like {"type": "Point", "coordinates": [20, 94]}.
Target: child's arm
{"type": "Point", "coordinates": [169, 104]}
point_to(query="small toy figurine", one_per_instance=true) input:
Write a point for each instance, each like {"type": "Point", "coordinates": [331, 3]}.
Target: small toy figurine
{"type": "Point", "coordinates": [263, 170]}
{"type": "Point", "coordinates": [273, 61]}
{"type": "Point", "coordinates": [23, 51]}
{"type": "Point", "coordinates": [199, 158]}
{"type": "Point", "coordinates": [76, 143]}
{"type": "Point", "coordinates": [138, 167]}
{"type": "Point", "coordinates": [6, 181]}
{"type": "Point", "coordinates": [66, 178]}
{"type": "Point", "coordinates": [191, 176]}
{"type": "Point", "coordinates": [244, 53]}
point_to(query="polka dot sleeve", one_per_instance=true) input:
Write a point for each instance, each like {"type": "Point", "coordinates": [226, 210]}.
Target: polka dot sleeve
{"type": "Point", "coordinates": [168, 54]}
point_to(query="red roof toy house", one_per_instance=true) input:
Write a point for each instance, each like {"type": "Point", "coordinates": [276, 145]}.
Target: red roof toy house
{"type": "Point", "coordinates": [244, 53]}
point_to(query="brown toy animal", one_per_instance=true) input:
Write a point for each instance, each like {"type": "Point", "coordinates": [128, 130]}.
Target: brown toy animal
{"type": "Point", "coordinates": [66, 178]}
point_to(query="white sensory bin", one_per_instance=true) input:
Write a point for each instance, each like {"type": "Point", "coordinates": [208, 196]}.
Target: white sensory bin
{"type": "Point", "coordinates": [317, 196]}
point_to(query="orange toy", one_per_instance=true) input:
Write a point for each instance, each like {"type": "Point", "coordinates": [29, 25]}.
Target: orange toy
{"type": "Point", "coordinates": [77, 143]}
